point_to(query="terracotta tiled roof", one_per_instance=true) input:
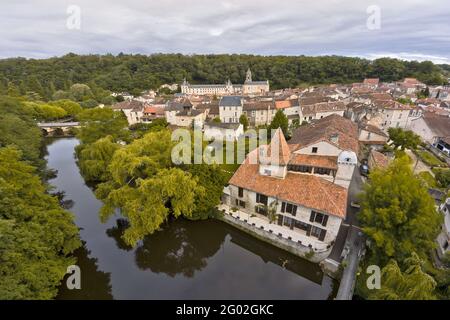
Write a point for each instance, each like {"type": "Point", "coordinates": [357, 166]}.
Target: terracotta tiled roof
{"type": "Point", "coordinates": [379, 159]}
{"type": "Point", "coordinates": [371, 81]}
{"type": "Point", "coordinates": [279, 145]}
{"type": "Point", "coordinates": [329, 162]}
{"type": "Point", "coordinates": [302, 189]}
{"type": "Point", "coordinates": [323, 107]}
{"type": "Point", "coordinates": [327, 128]}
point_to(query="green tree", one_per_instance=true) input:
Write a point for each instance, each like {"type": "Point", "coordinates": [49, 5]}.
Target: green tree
{"type": "Point", "coordinates": [280, 121]}
{"type": "Point", "coordinates": [99, 123]}
{"type": "Point", "coordinates": [411, 284]}
{"type": "Point", "coordinates": [37, 236]}
{"type": "Point", "coordinates": [95, 157]}
{"type": "Point", "coordinates": [244, 121]}
{"type": "Point", "coordinates": [217, 120]}
{"type": "Point", "coordinates": [403, 139]}
{"type": "Point", "coordinates": [72, 108]}
{"type": "Point", "coordinates": [397, 213]}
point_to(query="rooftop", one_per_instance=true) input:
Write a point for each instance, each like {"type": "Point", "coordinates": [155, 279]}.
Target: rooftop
{"type": "Point", "coordinates": [302, 189]}
{"type": "Point", "coordinates": [328, 128]}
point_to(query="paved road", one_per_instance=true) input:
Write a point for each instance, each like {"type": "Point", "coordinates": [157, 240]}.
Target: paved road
{"type": "Point", "coordinates": [356, 244]}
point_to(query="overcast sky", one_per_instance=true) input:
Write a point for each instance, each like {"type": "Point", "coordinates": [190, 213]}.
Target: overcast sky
{"type": "Point", "coordinates": [410, 29]}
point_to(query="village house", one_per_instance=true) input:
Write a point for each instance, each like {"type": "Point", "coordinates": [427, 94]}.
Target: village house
{"type": "Point", "coordinates": [431, 127]}
{"type": "Point", "coordinates": [151, 113]}
{"type": "Point", "coordinates": [319, 110]}
{"type": "Point", "coordinates": [182, 114]}
{"type": "Point", "coordinates": [223, 131]}
{"type": "Point", "coordinates": [287, 192]}
{"type": "Point", "coordinates": [230, 109]}
{"type": "Point", "coordinates": [392, 114]}
{"type": "Point", "coordinates": [259, 112]}
{"type": "Point", "coordinates": [372, 136]}
{"type": "Point", "coordinates": [291, 108]}
{"type": "Point", "coordinates": [333, 138]}
{"type": "Point", "coordinates": [377, 160]}
{"type": "Point", "coordinates": [371, 83]}
{"type": "Point", "coordinates": [133, 110]}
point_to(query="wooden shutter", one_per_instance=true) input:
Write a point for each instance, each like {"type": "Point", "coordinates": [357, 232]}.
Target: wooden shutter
{"type": "Point", "coordinates": [294, 212]}
{"type": "Point", "coordinates": [280, 220]}
{"type": "Point", "coordinates": [312, 216]}
{"type": "Point", "coordinates": [308, 230]}
{"type": "Point", "coordinates": [325, 220]}
{"type": "Point", "coordinates": [283, 206]}
{"type": "Point", "coordinates": [323, 232]}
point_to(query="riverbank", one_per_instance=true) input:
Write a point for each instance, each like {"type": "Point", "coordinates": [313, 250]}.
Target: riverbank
{"type": "Point", "coordinates": [184, 260]}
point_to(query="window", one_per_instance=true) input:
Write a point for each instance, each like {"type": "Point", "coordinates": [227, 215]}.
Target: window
{"type": "Point", "coordinates": [260, 198]}
{"type": "Point", "coordinates": [319, 218]}
{"type": "Point", "coordinates": [289, 208]}
{"type": "Point", "coordinates": [267, 172]}
{"type": "Point", "coordinates": [300, 168]}
{"type": "Point", "coordinates": [322, 171]}
{"type": "Point", "coordinates": [289, 222]}
{"type": "Point", "coordinates": [261, 210]}
{"type": "Point", "coordinates": [240, 203]}
{"type": "Point", "coordinates": [318, 233]}
{"type": "Point", "coordinates": [301, 225]}
{"type": "Point", "coordinates": [240, 192]}
{"type": "Point", "coordinates": [314, 150]}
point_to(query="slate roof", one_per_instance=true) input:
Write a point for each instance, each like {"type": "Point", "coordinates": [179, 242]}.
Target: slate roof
{"type": "Point", "coordinates": [230, 101]}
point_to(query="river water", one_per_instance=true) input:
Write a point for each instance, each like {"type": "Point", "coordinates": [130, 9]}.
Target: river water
{"type": "Point", "coordinates": [185, 260]}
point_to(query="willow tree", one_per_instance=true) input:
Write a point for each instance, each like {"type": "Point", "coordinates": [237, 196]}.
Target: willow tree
{"type": "Point", "coordinates": [146, 188]}
{"type": "Point", "coordinates": [410, 284]}
{"type": "Point", "coordinates": [398, 214]}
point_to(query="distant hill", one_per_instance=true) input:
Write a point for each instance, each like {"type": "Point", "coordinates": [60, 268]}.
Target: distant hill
{"type": "Point", "coordinates": [135, 73]}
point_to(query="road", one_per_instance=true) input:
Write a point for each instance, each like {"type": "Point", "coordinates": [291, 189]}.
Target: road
{"type": "Point", "coordinates": [354, 242]}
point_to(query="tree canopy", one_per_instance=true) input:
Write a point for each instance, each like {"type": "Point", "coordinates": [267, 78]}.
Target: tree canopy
{"type": "Point", "coordinates": [65, 77]}
{"type": "Point", "coordinates": [398, 214]}
{"type": "Point", "coordinates": [403, 139]}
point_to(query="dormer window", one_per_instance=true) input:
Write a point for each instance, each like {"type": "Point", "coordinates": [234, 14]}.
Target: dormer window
{"type": "Point", "coordinates": [314, 150]}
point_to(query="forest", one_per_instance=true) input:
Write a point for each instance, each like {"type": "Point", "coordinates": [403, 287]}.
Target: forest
{"type": "Point", "coordinates": [52, 78]}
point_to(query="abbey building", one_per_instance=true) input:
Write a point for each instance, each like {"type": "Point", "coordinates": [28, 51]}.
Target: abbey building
{"type": "Point", "coordinates": [249, 87]}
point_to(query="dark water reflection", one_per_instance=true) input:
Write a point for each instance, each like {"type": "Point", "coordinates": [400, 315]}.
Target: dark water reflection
{"type": "Point", "coordinates": [184, 260]}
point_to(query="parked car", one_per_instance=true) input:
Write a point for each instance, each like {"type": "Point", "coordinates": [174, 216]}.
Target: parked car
{"type": "Point", "coordinates": [364, 169]}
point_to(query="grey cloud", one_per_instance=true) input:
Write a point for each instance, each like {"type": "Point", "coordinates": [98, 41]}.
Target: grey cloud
{"type": "Point", "coordinates": [418, 29]}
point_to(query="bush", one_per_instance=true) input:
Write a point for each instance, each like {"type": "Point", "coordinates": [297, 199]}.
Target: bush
{"type": "Point", "coordinates": [429, 180]}
{"type": "Point", "coordinates": [442, 177]}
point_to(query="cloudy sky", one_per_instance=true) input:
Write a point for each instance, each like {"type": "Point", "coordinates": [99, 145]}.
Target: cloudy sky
{"type": "Point", "coordinates": [409, 29]}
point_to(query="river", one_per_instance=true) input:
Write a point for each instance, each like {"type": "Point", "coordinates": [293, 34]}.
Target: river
{"type": "Point", "coordinates": [185, 260]}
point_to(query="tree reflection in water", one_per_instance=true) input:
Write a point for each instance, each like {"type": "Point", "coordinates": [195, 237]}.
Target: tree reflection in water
{"type": "Point", "coordinates": [180, 247]}
{"type": "Point", "coordinates": [95, 284]}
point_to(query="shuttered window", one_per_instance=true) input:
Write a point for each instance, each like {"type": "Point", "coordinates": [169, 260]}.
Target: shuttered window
{"type": "Point", "coordinates": [240, 192]}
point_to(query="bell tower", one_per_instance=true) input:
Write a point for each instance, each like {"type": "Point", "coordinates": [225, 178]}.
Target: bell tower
{"type": "Point", "coordinates": [248, 76]}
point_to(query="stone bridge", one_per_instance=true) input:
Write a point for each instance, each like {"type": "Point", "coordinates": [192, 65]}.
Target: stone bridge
{"type": "Point", "coordinates": [57, 128]}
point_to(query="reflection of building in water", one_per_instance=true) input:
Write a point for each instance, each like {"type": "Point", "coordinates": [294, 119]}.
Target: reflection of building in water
{"type": "Point", "coordinates": [269, 253]}
{"type": "Point", "coordinates": [249, 87]}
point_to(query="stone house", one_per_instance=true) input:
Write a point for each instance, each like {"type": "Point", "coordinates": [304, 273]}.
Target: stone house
{"type": "Point", "coordinates": [230, 109]}
{"type": "Point", "coordinates": [286, 188]}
